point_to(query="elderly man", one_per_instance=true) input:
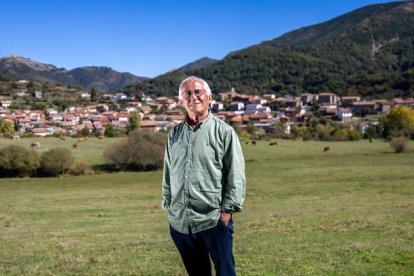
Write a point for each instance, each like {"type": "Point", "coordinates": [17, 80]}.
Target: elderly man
{"type": "Point", "coordinates": [203, 183]}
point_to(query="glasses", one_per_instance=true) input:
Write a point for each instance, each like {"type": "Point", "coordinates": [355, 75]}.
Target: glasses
{"type": "Point", "coordinates": [198, 93]}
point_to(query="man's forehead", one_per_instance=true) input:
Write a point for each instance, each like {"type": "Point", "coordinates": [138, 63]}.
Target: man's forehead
{"type": "Point", "coordinates": [193, 84]}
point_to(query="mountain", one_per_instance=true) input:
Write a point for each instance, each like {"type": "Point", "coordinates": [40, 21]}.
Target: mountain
{"type": "Point", "coordinates": [103, 79]}
{"type": "Point", "coordinates": [198, 64]}
{"type": "Point", "coordinates": [369, 51]}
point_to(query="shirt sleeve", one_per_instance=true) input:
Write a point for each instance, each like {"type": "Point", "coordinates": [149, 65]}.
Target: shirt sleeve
{"type": "Point", "coordinates": [234, 188]}
{"type": "Point", "coordinates": [166, 190]}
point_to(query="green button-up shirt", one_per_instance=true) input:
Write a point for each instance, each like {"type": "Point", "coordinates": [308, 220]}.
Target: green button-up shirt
{"type": "Point", "coordinates": [203, 174]}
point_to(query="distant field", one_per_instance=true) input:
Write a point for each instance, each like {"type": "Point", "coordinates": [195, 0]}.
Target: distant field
{"type": "Point", "coordinates": [347, 211]}
{"type": "Point", "coordinates": [89, 151]}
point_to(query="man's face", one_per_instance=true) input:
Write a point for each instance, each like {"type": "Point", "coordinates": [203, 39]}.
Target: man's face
{"type": "Point", "coordinates": [192, 103]}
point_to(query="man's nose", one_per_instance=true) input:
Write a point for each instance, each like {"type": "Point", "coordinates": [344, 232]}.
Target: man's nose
{"type": "Point", "coordinates": [193, 96]}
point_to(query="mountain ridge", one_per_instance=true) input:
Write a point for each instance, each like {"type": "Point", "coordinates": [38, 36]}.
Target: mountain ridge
{"type": "Point", "coordinates": [369, 51]}
{"type": "Point", "coordinates": [102, 78]}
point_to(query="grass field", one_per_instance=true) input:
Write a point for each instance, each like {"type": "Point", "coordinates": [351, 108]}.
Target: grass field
{"type": "Point", "coordinates": [89, 151]}
{"type": "Point", "coordinates": [348, 211]}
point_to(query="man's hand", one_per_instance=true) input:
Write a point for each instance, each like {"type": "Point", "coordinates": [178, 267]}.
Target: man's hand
{"type": "Point", "coordinates": [225, 217]}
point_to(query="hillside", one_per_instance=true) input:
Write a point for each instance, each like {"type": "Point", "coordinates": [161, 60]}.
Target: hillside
{"type": "Point", "coordinates": [369, 52]}
{"type": "Point", "coordinates": [103, 79]}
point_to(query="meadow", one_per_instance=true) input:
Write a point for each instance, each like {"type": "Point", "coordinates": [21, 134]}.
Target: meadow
{"type": "Point", "coordinates": [347, 211]}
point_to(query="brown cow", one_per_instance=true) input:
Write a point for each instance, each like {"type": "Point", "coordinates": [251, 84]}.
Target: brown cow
{"type": "Point", "coordinates": [35, 144]}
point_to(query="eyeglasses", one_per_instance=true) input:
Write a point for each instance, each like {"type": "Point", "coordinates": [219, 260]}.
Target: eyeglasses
{"type": "Point", "coordinates": [198, 93]}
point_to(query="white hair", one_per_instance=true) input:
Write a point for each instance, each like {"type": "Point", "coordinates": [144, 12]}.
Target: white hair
{"type": "Point", "coordinates": [205, 86]}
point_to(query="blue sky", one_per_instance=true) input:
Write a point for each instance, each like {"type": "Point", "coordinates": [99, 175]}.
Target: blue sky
{"type": "Point", "coordinates": [148, 38]}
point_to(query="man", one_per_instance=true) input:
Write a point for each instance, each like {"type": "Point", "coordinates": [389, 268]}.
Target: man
{"type": "Point", "coordinates": [203, 183]}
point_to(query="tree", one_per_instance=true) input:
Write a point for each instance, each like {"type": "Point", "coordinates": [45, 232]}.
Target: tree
{"type": "Point", "coordinates": [18, 161]}
{"type": "Point", "coordinates": [109, 131]}
{"type": "Point", "coordinates": [94, 95]}
{"type": "Point", "coordinates": [85, 132]}
{"type": "Point", "coordinates": [398, 122]}
{"type": "Point", "coordinates": [6, 127]}
{"type": "Point", "coordinates": [134, 122]}
{"type": "Point", "coordinates": [56, 161]}
{"type": "Point", "coordinates": [141, 150]}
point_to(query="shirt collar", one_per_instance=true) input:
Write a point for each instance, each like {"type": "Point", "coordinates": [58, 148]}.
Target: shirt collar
{"type": "Point", "coordinates": [200, 124]}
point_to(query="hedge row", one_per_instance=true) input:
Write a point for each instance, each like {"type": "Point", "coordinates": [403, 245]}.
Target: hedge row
{"type": "Point", "coordinates": [18, 161]}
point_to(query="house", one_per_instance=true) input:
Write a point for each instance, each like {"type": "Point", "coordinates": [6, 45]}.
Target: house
{"type": "Point", "coordinates": [236, 106]}
{"type": "Point", "coordinates": [85, 95]}
{"type": "Point", "coordinates": [216, 106]}
{"type": "Point", "coordinates": [344, 114]}
{"type": "Point", "coordinates": [264, 109]}
{"type": "Point", "coordinates": [166, 103]}
{"type": "Point", "coordinates": [38, 94]}
{"type": "Point", "coordinates": [253, 107]}
{"type": "Point", "coordinates": [327, 98]}
{"type": "Point", "coordinates": [383, 105]}
{"type": "Point", "coordinates": [91, 108]}
{"type": "Point", "coordinates": [281, 102]}
{"type": "Point", "coordinates": [269, 97]}
{"type": "Point", "coordinates": [56, 117]}
{"type": "Point", "coordinates": [135, 104]}
{"type": "Point", "coordinates": [401, 102]}
{"type": "Point", "coordinates": [51, 111]}
{"type": "Point", "coordinates": [21, 94]}
{"type": "Point", "coordinates": [307, 98]}
{"type": "Point", "coordinates": [6, 103]}
{"type": "Point", "coordinates": [70, 109]}
{"type": "Point", "coordinates": [130, 109]}
{"type": "Point", "coordinates": [102, 108]}
{"type": "Point", "coordinates": [368, 107]}
{"type": "Point", "coordinates": [120, 97]}
{"type": "Point", "coordinates": [107, 96]}
{"type": "Point", "coordinates": [256, 118]}
{"type": "Point", "coordinates": [347, 101]}
{"type": "Point", "coordinates": [42, 132]}
{"type": "Point", "coordinates": [261, 101]}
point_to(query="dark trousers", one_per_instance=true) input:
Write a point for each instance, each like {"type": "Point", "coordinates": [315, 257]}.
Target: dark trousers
{"type": "Point", "coordinates": [196, 248]}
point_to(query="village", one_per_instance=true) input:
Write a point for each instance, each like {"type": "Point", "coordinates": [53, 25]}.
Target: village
{"type": "Point", "coordinates": [241, 111]}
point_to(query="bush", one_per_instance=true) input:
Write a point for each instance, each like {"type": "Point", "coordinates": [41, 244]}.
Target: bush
{"type": "Point", "coordinates": [81, 168]}
{"type": "Point", "coordinates": [18, 161]}
{"type": "Point", "coordinates": [142, 150]}
{"type": "Point", "coordinates": [399, 144]}
{"type": "Point", "coordinates": [56, 161]}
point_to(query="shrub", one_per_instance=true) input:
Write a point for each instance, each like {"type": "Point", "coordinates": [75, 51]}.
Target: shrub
{"type": "Point", "coordinates": [142, 150]}
{"type": "Point", "coordinates": [18, 161]}
{"type": "Point", "coordinates": [56, 161]}
{"type": "Point", "coordinates": [399, 144]}
{"type": "Point", "coordinates": [81, 168]}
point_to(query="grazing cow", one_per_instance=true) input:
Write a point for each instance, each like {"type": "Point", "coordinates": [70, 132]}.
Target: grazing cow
{"type": "Point", "coordinates": [326, 149]}
{"type": "Point", "coordinates": [15, 137]}
{"type": "Point", "coordinates": [62, 138]}
{"type": "Point", "coordinates": [273, 143]}
{"type": "Point", "coordinates": [247, 142]}
{"type": "Point", "coordinates": [253, 142]}
{"type": "Point", "coordinates": [35, 144]}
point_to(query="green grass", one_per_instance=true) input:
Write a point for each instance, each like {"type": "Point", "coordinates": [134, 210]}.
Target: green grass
{"type": "Point", "coordinates": [348, 211]}
{"type": "Point", "coordinates": [89, 151]}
